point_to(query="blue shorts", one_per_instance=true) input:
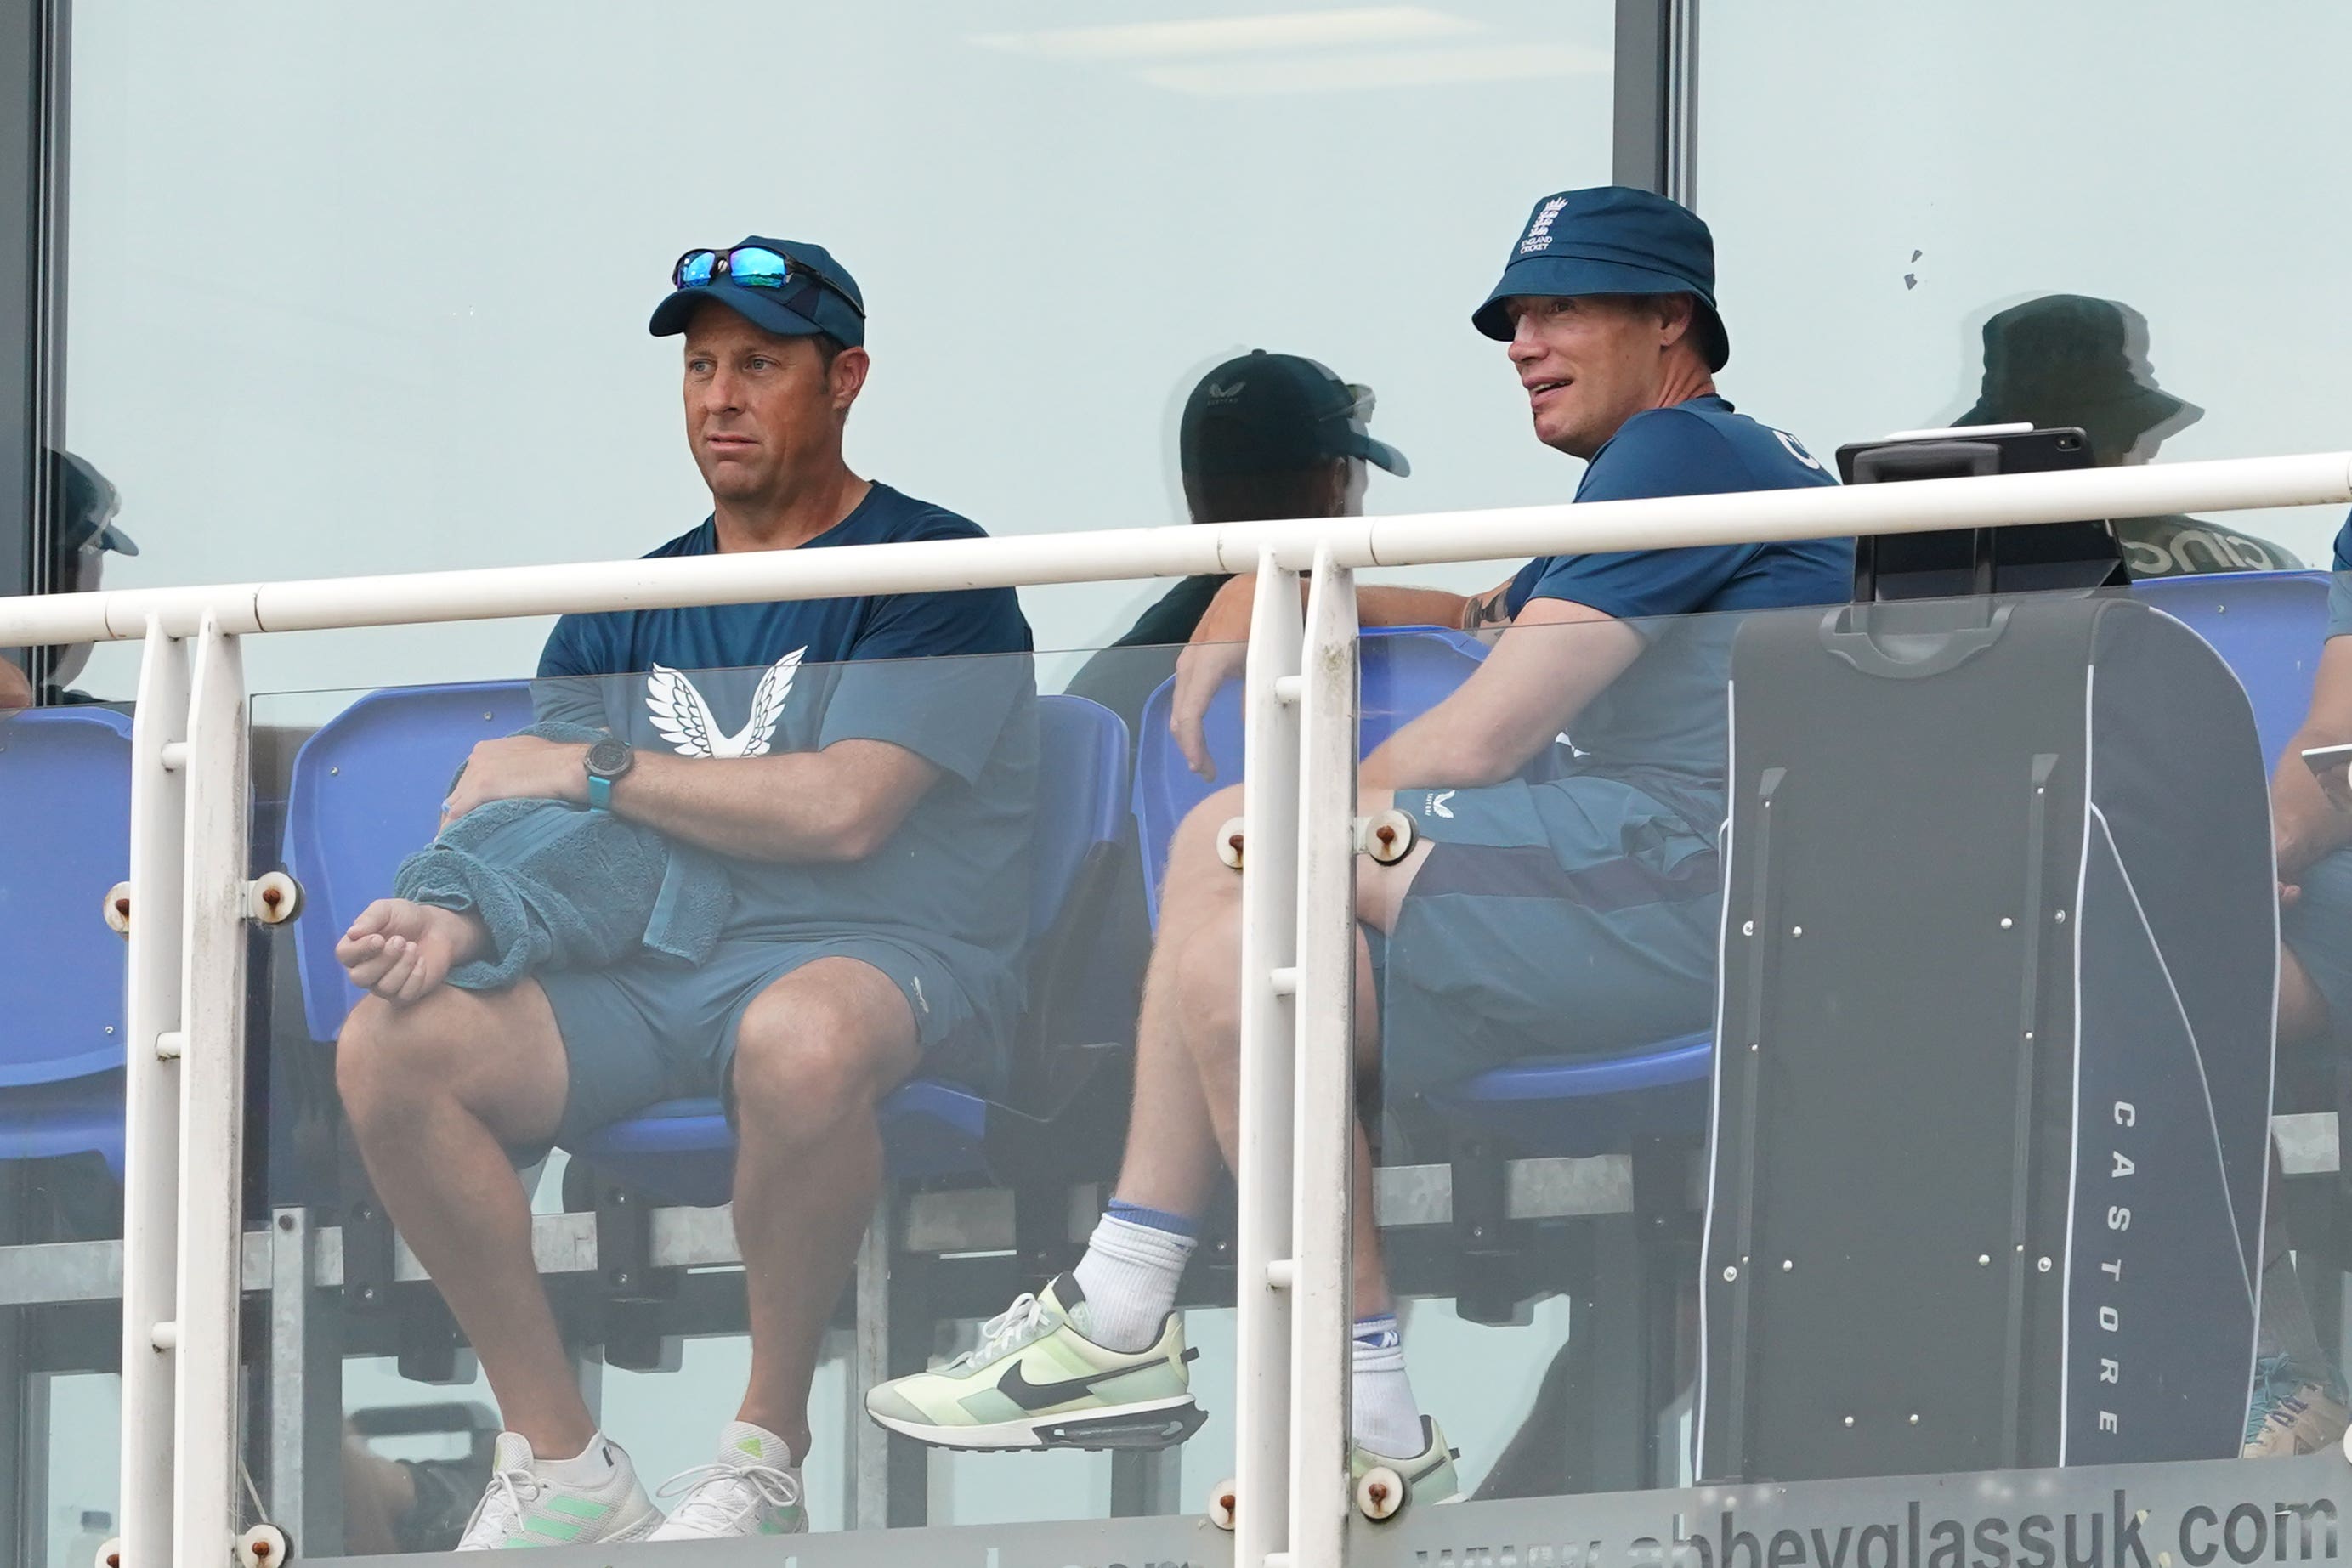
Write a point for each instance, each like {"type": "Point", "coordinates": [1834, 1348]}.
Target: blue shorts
{"type": "Point", "coordinates": [651, 1030]}
{"type": "Point", "coordinates": [2318, 929]}
{"type": "Point", "coordinates": [1575, 916]}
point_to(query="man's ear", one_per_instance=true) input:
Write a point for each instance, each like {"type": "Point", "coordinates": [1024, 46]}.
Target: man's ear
{"type": "Point", "coordinates": [1677, 314]}
{"type": "Point", "coordinates": [847, 377]}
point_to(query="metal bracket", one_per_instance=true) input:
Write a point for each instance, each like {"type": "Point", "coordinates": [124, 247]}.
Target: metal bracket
{"type": "Point", "coordinates": [273, 898]}
{"type": "Point", "coordinates": [1388, 837]}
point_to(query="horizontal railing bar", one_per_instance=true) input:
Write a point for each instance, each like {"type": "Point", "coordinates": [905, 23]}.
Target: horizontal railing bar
{"type": "Point", "coordinates": [1015, 559]}
{"type": "Point", "coordinates": [976, 1220]}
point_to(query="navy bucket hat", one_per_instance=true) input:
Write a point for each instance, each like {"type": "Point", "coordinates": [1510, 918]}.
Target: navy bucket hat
{"type": "Point", "coordinates": [1610, 239]}
{"type": "Point", "coordinates": [819, 297]}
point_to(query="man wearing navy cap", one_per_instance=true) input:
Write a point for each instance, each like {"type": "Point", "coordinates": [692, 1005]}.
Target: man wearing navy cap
{"type": "Point", "coordinates": [870, 801]}
{"type": "Point", "coordinates": [1263, 435]}
{"type": "Point", "coordinates": [1559, 900]}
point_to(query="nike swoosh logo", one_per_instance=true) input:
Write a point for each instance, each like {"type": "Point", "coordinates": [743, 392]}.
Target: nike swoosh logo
{"type": "Point", "coordinates": [1037, 1395]}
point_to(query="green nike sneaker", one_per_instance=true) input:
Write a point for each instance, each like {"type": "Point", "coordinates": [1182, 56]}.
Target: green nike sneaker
{"type": "Point", "coordinates": [1384, 1484]}
{"type": "Point", "coordinates": [1036, 1381]}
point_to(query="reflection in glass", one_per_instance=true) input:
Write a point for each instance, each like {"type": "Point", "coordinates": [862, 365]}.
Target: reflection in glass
{"type": "Point", "coordinates": [2067, 359]}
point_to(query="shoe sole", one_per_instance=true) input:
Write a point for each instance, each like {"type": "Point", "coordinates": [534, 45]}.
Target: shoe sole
{"type": "Point", "coordinates": [1151, 1423]}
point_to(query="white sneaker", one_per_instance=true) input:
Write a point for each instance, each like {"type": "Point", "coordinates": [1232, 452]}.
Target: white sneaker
{"type": "Point", "coordinates": [752, 1489]}
{"type": "Point", "coordinates": [527, 1506]}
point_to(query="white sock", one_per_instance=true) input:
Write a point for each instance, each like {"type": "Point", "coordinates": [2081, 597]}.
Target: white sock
{"type": "Point", "coordinates": [1383, 1416]}
{"type": "Point", "coordinates": [1129, 1275]}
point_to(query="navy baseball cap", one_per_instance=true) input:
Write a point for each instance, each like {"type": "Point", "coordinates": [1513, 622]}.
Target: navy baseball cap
{"type": "Point", "coordinates": [1277, 413]}
{"type": "Point", "coordinates": [1610, 239]}
{"type": "Point", "coordinates": [827, 302]}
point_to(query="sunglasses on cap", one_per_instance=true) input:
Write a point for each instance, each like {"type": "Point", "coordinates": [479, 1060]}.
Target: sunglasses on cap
{"type": "Point", "coordinates": [754, 267]}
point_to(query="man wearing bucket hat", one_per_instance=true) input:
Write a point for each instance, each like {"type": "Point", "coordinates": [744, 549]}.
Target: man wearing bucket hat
{"type": "Point", "coordinates": [2070, 360]}
{"type": "Point", "coordinates": [869, 801]}
{"type": "Point", "coordinates": [1574, 914]}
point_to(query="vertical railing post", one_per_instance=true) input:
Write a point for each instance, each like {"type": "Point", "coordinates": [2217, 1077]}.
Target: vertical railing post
{"type": "Point", "coordinates": [1269, 938]}
{"type": "Point", "coordinates": [212, 1104]}
{"type": "Point", "coordinates": [1326, 1030]}
{"type": "Point", "coordinates": [150, 1166]}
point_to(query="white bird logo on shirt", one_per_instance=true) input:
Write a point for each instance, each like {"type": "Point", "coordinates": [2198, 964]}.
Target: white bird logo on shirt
{"type": "Point", "coordinates": [682, 718]}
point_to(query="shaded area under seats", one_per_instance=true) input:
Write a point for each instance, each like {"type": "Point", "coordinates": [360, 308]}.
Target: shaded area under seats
{"type": "Point", "coordinates": [64, 794]}
{"type": "Point", "coordinates": [365, 793]}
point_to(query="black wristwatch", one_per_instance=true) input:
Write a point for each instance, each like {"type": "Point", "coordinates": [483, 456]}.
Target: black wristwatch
{"type": "Point", "coordinates": [608, 759]}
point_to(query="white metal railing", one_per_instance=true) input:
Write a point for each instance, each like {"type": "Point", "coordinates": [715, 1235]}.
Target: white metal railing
{"type": "Point", "coordinates": [191, 900]}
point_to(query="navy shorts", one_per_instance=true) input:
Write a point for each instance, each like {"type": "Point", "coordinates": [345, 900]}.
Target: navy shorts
{"type": "Point", "coordinates": [651, 1030]}
{"type": "Point", "coordinates": [1577, 917]}
{"type": "Point", "coordinates": [2318, 929]}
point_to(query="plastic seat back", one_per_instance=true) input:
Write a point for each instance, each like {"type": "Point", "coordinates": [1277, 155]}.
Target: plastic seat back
{"type": "Point", "coordinates": [367, 791]}
{"type": "Point", "coordinates": [2267, 626]}
{"type": "Point", "coordinates": [65, 793]}
{"type": "Point", "coordinates": [1406, 671]}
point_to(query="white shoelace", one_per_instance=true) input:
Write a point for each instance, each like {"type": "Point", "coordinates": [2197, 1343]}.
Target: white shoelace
{"type": "Point", "coordinates": [714, 1507]}
{"type": "Point", "coordinates": [501, 1509]}
{"type": "Point", "coordinates": [1007, 1329]}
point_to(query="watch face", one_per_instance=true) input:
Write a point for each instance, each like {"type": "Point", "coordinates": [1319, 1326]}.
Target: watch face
{"type": "Point", "coordinates": [609, 758]}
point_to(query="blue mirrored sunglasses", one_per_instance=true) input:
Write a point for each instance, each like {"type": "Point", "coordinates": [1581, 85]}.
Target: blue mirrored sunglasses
{"type": "Point", "coordinates": [755, 267]}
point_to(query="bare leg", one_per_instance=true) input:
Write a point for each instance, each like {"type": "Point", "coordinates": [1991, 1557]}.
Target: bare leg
{"type": "Point", "coordinates": [1193, 1003]}
{"type": "Point", "coordinates": [434, 1112]}
{"type": "Point", "coordinates": [1171, 1147]}
{"type": "Point", "coordinates": [2302, 1011]}
{"type": "Point", "coordinates": [818, 1050]}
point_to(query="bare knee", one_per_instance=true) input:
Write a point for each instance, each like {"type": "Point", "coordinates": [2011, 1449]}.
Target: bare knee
{"type": "Point", "coordinates": [385, 1063]}
{"type": "Point", "coordinates": [1193, 851]}
{"type": "Point", "coordinates": [1209, 988]}
{"type": "Point", "coordinates": [802, 1068]}
{"type": "Point", "coordinates": [395, 1066]}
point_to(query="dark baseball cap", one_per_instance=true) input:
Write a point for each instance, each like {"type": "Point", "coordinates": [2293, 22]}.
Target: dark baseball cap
{"type": "Point", "coordinates": [828, 302]}
{"type": "Point", "coordinates": [1610, 239]}
{"type": "Point", "coordinates": [1277, 413]}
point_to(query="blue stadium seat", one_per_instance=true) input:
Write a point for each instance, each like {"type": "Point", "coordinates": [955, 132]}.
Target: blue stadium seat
{"type": "Point", "coordinates": [367, 790]}
{"type": "Point", "coordinates": [365, 793]}
{"type": "Point", "coordinates": [1546, 1105]}
{"type": "Point", "coordinates": [2267, 626]}
{"type": "Point", "coordinates": [65, 790]}
{"type": "Point", "coordinates": [1406, 670]}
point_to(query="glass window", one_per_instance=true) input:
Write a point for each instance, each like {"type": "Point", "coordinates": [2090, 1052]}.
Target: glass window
{"type": "Point", "coordinates": [361, 289]}
{"type": "Point", "coordinates": [2098, 215]}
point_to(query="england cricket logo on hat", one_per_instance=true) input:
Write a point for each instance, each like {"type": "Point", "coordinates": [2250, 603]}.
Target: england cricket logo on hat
{"type": "Point", "coordinates": [1539, 231]}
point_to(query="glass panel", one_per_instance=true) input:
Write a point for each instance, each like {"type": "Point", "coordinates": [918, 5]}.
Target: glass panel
{"type": "Point", "coordinates": [916, 875]}
{"type": "Point", "coordinates": [65, 786]}
{"type": "Point", "coordinates": [2005, 232]}
{"type": "Point", "coordinates": [1885, 1092]}
{"type": "Point", "coordinates": [481, 309]}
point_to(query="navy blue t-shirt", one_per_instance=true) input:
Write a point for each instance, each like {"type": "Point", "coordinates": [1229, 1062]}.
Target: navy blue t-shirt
{"type": "Point", "coordinates": [947, 676]}
{"type": "Point", "coordinates": [1662, 724]}
{"type": "Point", "coordinates": [2339, 586]}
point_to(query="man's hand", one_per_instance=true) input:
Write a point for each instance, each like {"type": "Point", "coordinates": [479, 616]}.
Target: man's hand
{"type": "Point", "coordinates": [1218, 649]}
{"type": "Point", "coordinates": [15, 690]}
{"type": "Point", "coordinates": [520, 767]}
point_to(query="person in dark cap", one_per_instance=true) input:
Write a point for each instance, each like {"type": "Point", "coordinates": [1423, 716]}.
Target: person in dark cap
{"type": "Point", "coordinates": [870, 799]}
{"type": "Point", "coordinates": [1558, 899]}
{"type": "Point", "coordinates": [2072, 360]}
{"type": "Point", "coordinates": [83, 503]}
{"type": "Point", "coordinates": [1263, 435]}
